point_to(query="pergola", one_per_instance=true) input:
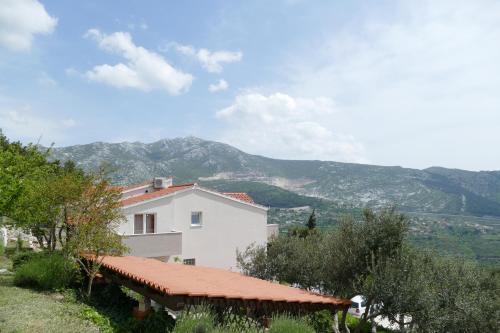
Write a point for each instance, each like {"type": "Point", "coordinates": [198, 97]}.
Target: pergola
{"type": "Point", "coordinates": [179, 287]}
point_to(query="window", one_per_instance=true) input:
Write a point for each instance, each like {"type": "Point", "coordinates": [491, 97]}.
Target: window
{"type": "Point", "coordinates": [355, 305]}
{"type": "Point", "coordinates": [190, 262]}
{"type": "Point", "coordinates": [150, 223]}
{"type": "Point", "coordinates": [196, 218]}
{"type": "Point", "coordinates": [138, 224]}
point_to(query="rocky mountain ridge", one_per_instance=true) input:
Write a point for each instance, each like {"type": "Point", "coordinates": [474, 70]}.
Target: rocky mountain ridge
{"type": "Point", "coordinates": [432, 190]}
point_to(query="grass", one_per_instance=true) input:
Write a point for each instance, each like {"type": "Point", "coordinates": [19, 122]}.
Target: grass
{"type": "Point", "coordinates": [352, 322]}
{"type": "Point", "coordinates": [25, 310]}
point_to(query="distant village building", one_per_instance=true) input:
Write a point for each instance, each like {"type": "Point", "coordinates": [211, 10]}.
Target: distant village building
{"type": "Point", "coordinates": [191, 224]}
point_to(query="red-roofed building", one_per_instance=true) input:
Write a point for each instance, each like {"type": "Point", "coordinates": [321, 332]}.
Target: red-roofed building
{"type": "Point", "coordinates": [192, 224]}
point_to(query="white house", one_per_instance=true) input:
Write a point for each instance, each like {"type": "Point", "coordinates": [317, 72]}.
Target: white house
{"type": "Point", "coordinates": [191, 224]}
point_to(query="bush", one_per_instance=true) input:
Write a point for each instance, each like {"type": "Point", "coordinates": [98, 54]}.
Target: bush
{"type": "Point", "coordinates": [47, 271]}
{"type": "Point", "coordinates": [156, 322]}
{"type": "Point", "coordinates": [198, 320]}
{"type": "Point", "coordinates": [21, 257]}
{"type": "Point", "coordinates": [321, 321]}
{"type": "Point", "coordinates": [92, 315]}
{"type": "Point", "coordinates": [289, 324]}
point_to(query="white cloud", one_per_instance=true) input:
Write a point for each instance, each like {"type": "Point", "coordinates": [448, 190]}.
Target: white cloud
{"type": "Point", "coordinates": [144, 70]}
{"type": "Point", "coordinates": [219, 86]}
{"type": "Point", "coordinates": [283, 126]}
{"type": "Point", "coordinates": [415, 84]}
{"type": "Point", "coordinates": [22, 124]}
{"type": "Point", "coordinates": [211, 61]}
{"type": "Point", "coordinates": [20, 20]}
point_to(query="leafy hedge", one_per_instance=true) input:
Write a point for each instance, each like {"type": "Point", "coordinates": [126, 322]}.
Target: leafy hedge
{"type": "Point", "coordinates": [21, 257]}
{"type": "Point", "coordinates": [46, 271]}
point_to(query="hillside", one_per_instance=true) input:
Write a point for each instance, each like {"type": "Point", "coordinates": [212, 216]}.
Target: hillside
{"type": "Point", "coordinates": [433, 190]}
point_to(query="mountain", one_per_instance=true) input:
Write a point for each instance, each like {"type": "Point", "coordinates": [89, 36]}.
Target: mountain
{"type": "Point", "coordinates": [432, 190]}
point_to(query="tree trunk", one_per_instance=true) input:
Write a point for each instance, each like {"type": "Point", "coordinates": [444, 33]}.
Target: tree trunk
{"type": "Point", "coordinates": [401, 323]}
{"type": "Point", "coordinates": [46, 244]}
{"type": "Point", "coordinates": [362, 320]}
{"type": "Point", "coordinates": [89, 286]}
{"type": "Point", "coordinates": [335, 325]}
{"type": "Point", "coordinates": [60, 237]}
{"type": "Point", "coordinates": [373, 325]}
{"type": "Point", "coordinates": [343, 323]}
{"type": "Point", "coordinates": [53, 238]}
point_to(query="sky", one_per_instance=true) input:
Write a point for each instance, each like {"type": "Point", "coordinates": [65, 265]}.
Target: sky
{"type": "Point", "coordinates": [414, 83]}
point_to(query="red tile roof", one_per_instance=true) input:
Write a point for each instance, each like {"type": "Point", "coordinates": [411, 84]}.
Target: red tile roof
{"type": "Point", "coordinates": [178, 279]}
{"type": "Point", "coordinates": [240, 196]}
{"type": "Point", "coordinates": [155, 194]}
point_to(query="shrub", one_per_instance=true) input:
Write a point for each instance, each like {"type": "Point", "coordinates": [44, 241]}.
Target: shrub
{"type": "Point", "coordinates": [198, 320]}
{"type": "Point", "coordinates": [156, 322]}
{"type": "Point", "coordinates": [289, 324]}
{"type": "Point", "coordinates": [22, 257]}
{"type": "Point", "coordinates": [91, 314]}
{"type": "Point", "coordinates": [47, 271]}
{"type": "Point", "coordinates": [321, 321]}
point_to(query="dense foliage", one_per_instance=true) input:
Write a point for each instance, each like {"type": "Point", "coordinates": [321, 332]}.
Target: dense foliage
{"type": "Point", "coordinates": [48, 271]}
{"type": "Point", "coordinates": [372, 257]}
{"type": "Point", "coordinates": [288, 324]}
{"type": "Point", "coordinates": [63, 207]}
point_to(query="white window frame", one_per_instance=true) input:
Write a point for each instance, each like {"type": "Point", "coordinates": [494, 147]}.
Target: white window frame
{"type": "Point", "coordinates": [200, 219]}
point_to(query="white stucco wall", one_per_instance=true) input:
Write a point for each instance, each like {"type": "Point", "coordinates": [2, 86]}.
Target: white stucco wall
{"type": "Point", "coordinates": [162, 207]}
{"type": "Point", "coordinates": [226, 225]}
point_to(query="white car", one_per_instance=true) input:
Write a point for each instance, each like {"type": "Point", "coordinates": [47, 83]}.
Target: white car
{"type": "Point", "coordinates": [358, 306]}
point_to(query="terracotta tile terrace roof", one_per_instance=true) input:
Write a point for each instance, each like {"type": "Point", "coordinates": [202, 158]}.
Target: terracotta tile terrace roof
{"type": "Point", "coordinates": [155, 194]}
{"type": "Point", "coordinates": [240, 196]}
{"type": "Point", "coordinates": [197, 281]}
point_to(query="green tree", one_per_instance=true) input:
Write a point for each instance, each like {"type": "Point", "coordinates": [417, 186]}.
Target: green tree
{"type": "Point", "coordinates": [36, 193]}
{"type": "Point", "coordinates": [341, 262]}
{"type": "Point", "coordinates": [18, 165]}
{"type": "Point", "coordinates": [94, 221]}
{"type": "Point", "coordinates": [357, 249]}
{"type": "Point", "coordinates": [46, 205]}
